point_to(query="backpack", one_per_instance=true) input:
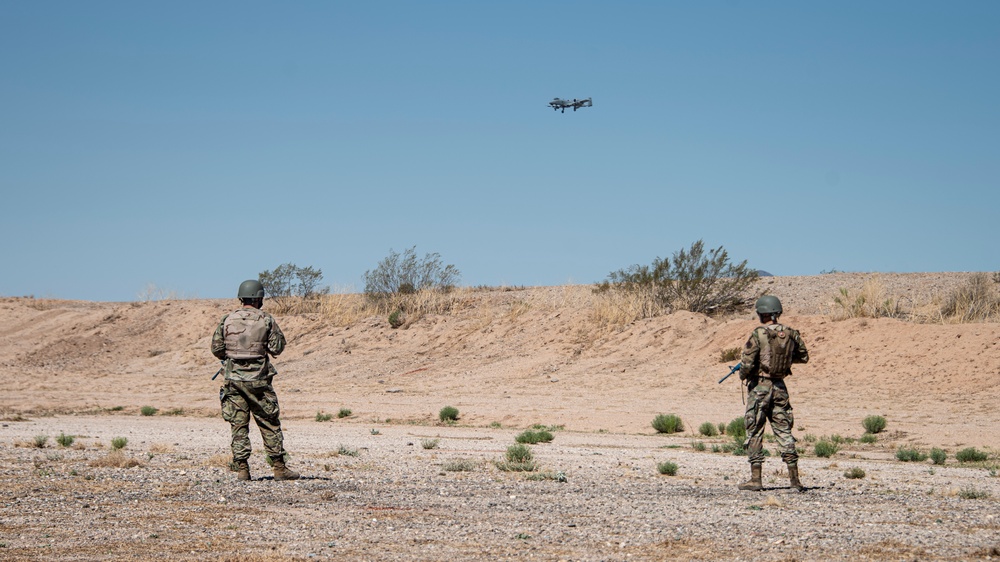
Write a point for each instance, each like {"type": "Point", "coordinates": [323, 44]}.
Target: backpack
{"type": "Point", "coordinates": [777, 346]}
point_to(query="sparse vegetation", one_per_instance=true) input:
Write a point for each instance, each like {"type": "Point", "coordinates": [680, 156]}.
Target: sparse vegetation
{"type": "Point", "coordinates": [294, 289]}
{"type": "Point", "coordinates": [737, 429]}
{"type": "Point", "coordinates": [118, 443]}
{"type": "Point", "coordinates": [825, 449]}
{"type": "Point", "coordinates": [976, 301]}
{"type": "Point", "coordinates": [429, 443]}
{"type": "Point", "coordinates": [692, 279]}
{"type": "Point", "coordinates": [871, 301]}
{"type": "Point", "coordinates": [532, 436]}
{"type": "Point", "coordinates": [854, 473]}
{"type": "Point", "coordinates": [148, 411]}
{"type": "Point", "coordinates": [345, 451]}
{"type": "Point", "coordinates": [397, 318]}
{"type": "Point", "coordinates": [518, 458]}
{"type": "Point", "coordinates": [407, 274]}
{"type": "Point", "coordinates": [667, 467]}
{"type": "Point", "coordinates": [321, 417]}
{"type": "Point", "coordinates": [708, 429]}
{"type": "Point", "coordinates": [938, 456]}
{"type": "Point", "coordinates": [730, 354]}
{"type": "Point", "coordinates": [668, 423]}
{"type": "Point", "coordinates": [698, 446]}
{"type": "Point", "coordinates": [448, 414]}
{"type": "Point", "coordinates": [971, 454]}
{"type": "Point", "coordinates": [65, 440]}
{"type": "Point", "coordinates": [868, 438]}
{"type": "Point", "coordinates": [556, 476]}
{"type": "Point", "coordinates": [40, 441]}
{"type": "Point", "coordinates": [908, 454]}
{"type": "Point", "coordinates": [972, 493]}
{"type": "Point", "coordinates": [459, 465]}
{"type": "Point", "coordinates": [344, 413]}
{"type": "Point", "coordinates": [874, 424]}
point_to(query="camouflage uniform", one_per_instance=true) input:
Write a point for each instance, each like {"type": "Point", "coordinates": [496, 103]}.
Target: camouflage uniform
{"type": "Point", "coordinates": [247, 390]}
{"type": "Point", "coordinates": [768, 397]}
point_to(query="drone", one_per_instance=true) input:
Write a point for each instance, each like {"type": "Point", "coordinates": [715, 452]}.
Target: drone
{"type": "Point", "coordinates": [562, 104]}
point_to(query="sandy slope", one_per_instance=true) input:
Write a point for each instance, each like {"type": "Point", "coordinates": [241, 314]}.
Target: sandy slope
{"type": "Point", "coordinates": [519, 357]}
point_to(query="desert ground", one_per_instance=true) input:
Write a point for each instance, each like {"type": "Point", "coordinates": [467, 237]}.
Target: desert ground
{"type": "Point", "coordinates": [392, 482]}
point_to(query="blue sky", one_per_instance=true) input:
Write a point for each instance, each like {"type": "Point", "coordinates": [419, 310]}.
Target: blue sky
{"type": "Point", "coordinates": [191, 145]}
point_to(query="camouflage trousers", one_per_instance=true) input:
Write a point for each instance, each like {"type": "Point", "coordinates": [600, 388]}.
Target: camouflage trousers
{"type": "Point", "coordinates": [242, 399]}
{"type": "Point", "coordinates": [768, 401]}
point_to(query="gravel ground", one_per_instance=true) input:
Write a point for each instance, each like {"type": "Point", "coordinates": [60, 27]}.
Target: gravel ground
{"type": "Point", "coordinates": [374, 492]}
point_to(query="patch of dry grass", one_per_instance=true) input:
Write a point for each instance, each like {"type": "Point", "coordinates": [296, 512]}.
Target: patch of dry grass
{"type": "Point", "coordinates": [978, 300]}
{"type": "Point", "coordinates": [115, 459]}
{"type": "Point", "coordinates": [615, 308]}
{"type": "Point", "coordinates": [160, 448]}
{"type": "Point", "coordinates": [872, 300]}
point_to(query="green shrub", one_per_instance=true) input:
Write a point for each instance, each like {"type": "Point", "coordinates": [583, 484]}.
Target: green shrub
{"type": "Point", "coordinates": [708, 429]}
{"type": "Point", "coordinates": [448, 414]}
{"type": "Point", "coordinates": [698, 446]}
{"type": "Point", "coordinates": [692, 279]}
{"type": "Point", "coordinates": [531, 437]}
{"type": "Point", "coordinates": [874, 424]}
{"type": "Point", "coordinates": [65, 440]}
{"type": "Point", "coordinates": [459, 465]}
{"type": "Point", "coordinates": [344, 413]}
{"type": "Point", "coordinates": [429, 443]}
{"type": "Point", "coordinates": [407, 274]}
{"type": "Point", "coordinates": [557, 476]}
{"type": "Point", "coordinates": [938, 456]}
{"type": "Point", "coordinates": [971, 493]}
{"type": "Point", "coordinates": [664, 423]}
{"type": "Point", "coordinates": [970, 454]}
{"type": "Point", "coordinates": [346, 451]}
{"type": "Point", "coordinates": [825, 449]}
{"type": "Point", "coordinates": [118, 443]}
{"type": "Point", "coordinates": [737, 429]}
{"type": "Point", "coordinates": [854, 473]}
{"type": "Point", "coordinates": [148, 411]}
{"type": "Point", "coordinates": [397, 319]}
{"type": "Point", "coordinates": [518, 458]}
{"type": "Point", "coordinates": [321, 417]}
{"type": "Point", "coordinates": [722, 427]}
{"type": "Point", "coordinates": [868, 438]}
{"type": "Point", "coordinates": [910, 455]}
{"type": "Point", "coordinates": [288, 282]}
{"type": "Point", "coordinates": [668, 468]}
{"type": "Point", "coordinates": [40, 441]}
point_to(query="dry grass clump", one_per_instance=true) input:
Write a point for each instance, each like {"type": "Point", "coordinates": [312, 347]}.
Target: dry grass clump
{"type": "Point", "coordinates": [115, 459]}
{"type": "Point", "coordinates": [344, 309]}
{"type": "Point", "coordinates": [620, 308]}
{"type": "Point", "coordinates": [871, 301]}
{"type": "Point", "coordinates": [976, 301]}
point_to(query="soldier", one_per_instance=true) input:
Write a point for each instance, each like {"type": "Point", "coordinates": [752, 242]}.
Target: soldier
{"type": "Point", "coordinates": [767, 359]}
{"type": "Point", "coordinates": [245, 340]}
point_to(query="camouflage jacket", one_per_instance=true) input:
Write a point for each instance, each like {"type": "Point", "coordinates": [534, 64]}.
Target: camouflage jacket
{"type": "Point", "coordinates": [756, 352]}
{"type": "Point", "coordinates": [250, 369]}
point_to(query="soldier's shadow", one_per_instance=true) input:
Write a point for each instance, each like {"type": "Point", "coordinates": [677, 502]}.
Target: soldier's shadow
{"type": "Point", "coordinates": [300, 478]}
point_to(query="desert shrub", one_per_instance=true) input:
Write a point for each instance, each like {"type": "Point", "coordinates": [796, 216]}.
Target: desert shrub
{"type": "Point", "coordinates": [825, 449]}
{"type": "Point", "coordinates": [397, 318]}
{"type": "Point", "coordinates": [871, 301]}
{"type": "Point", "coordinates": [907, 454]}
{"type": "Point", "coordinates": [692, 279]}
{"type": "Point", "coordinates": [459, 465]}
{"type": "Point", "coordinates": [667, 467]}
{"type": "Point", "coordinates": [148, 411]}
{"type": "Point", "coordinates": [938, 455]}
{"type": "Point", "coordinates": [429, 443]}
{"type": "Point", "coordinates": [874, 424]}
{"type": "Point", "coordinates": [119, 443]}
{"type": "Point", "coordinates": [667, 423]}
{"type": "Point", "coordinates": [698, 446]}
{"type": "Point", "coordinates": [448, 414]}
{"type": "Point", "coordinates": [321, 417]}
{"type": "Point", "coordinates": [730, 354]}
{"type": "Point", "coordinates": [291, 288]}
{"type": "Point", "coordinates": [344, 450]}
{"type": "Point", "coordinates": [115, 459]}
{"type": "Point", "coordinates": [407, 274]}
{"type": "Point", "coordinates": [40, 441]}
{"type": "Point", "coordinates": [518, 458]}
{"type": "Point", "coordinates": [531, 436]}
{"type": "Point", "coordinates": [344, 413]}
{"type": "Point", "coordinates": [65, 440]}
{"type": "Point", "coordinates": [972, 493]}
{"type": "Point", "coordinates": [708, 429]}
{"type": "Point", "coordinates": [556, 476]}
{"type": "Point", "coordinates": [868, 438]}
{"type": "Point", "coordinates": [976, 301]}
{"type": "Point", "coordinates": [970, 454]}
{"type": "Point", "coordinates": [737, 429]}
{"type": "Point", "coordinates": [854, 473]}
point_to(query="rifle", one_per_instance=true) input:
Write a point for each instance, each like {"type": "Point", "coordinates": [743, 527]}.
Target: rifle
{"type": "Point", "coordinates": [217, 373]}
{"type": "Point", "coordinates": [731, 371]}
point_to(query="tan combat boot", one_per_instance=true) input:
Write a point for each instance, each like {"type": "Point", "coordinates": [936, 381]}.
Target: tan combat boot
{"type": "Point", "coordinates": [793, 476]}
{"type": "Point", "coordinates": [753, 484]}
{"type": "Point", "coordinates": [242, 470]}
{"type": "Point", "coordinates": [282, 472]}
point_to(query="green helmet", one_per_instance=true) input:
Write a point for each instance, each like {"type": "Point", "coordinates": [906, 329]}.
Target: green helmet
{"type": "Point", "coordinates": [251, 289]}
{"type": "Point", "coordinates": [768, 304]}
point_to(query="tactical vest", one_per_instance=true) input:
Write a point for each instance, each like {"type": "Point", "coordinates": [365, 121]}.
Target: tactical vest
{"type": "Point", "coordinates": [246, 334]}
{"type": "Point", "coordinates": [776, 350]}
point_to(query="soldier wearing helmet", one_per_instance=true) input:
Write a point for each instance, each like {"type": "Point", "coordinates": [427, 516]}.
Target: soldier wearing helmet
{"type": "Point", "coordinates": [766, 361]}
{"type": "Point", "coordinates": [245, 340]}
